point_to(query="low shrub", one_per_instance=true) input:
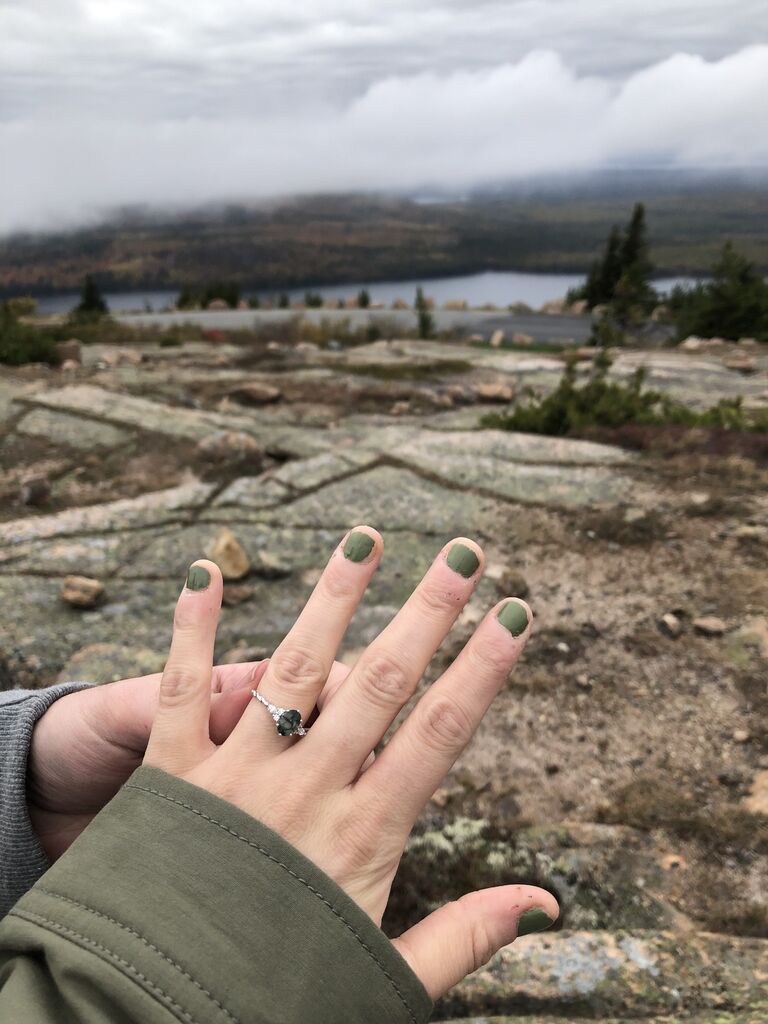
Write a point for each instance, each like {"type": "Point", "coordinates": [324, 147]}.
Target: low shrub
{"type": "Point", "coordinates": [573, 409]}
{"type": "Point", "coordinates": [21, 343]}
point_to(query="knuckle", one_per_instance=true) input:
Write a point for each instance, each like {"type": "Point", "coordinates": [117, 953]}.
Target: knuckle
{"type": "Point", "coordinates": [481, 946]}
{"type": "Point", "coordinates": [337, 586]}
{"type": "Point", "coordinates": [385, 679]}
{"type": "Point", "coordinates": [436, 601]}
{"type": "Point", "coordinates": [488, 657]}
{"type": "Point", "coordinates": [447, 725]}
{"type": "Point", "coordinates": [298, 668]}
{"type": "Point", "coordinates": [177, 683]}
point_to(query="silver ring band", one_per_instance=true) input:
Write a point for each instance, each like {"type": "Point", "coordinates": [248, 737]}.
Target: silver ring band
{"type": "Point", "coordinates": [288, 721]}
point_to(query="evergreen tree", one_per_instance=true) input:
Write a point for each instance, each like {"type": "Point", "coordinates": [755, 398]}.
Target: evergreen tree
{"type": "Point", "coordinates": [91, 300]}
{"type": "Point", "coordinates": [733, 305]}
{"type": "Point", "coordinates": [363, 298]}
{"type": "Point", "coordinates": [621, 277]}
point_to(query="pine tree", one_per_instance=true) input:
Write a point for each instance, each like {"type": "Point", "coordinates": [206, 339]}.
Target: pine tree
{"type": "Point", "coordinates": [91, 300]}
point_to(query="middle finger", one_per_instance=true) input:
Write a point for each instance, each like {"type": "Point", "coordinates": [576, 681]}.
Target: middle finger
{"type": "Point", "coordinates": [387, 674]}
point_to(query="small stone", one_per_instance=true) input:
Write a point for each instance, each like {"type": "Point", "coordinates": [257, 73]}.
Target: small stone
{"type": "Point", "coordinates": [512, 583]}
{"type": "Point", "coordinates": [229, 445]}
{"type": "Point", "coordinates": [70, 351]}
{"type": "Point", "coordinates": [741, 736]}
{"type": "Point", "coordinates": [235, 594]}
{"type": "Point", "coordinates": [256, 393]}
{"type": "Point", "coordinates": [709, 625]}
{"type": "Point", "coordinates": [671, 625]}
{"type": "Point", "coordinates": [583, 681]}
{"type": "Point", "coordinates": [497, 339]}
{"type": "Point", "coordinates": [227, 552]}
{"type": "Point", "coordinates": [69, 365]}
{"type": "Point", "coordinates": [81, 592]}
{"type": "Point", "coordinates": [35, 492]}
{"type": "Point", "coordinates": [563, 647]}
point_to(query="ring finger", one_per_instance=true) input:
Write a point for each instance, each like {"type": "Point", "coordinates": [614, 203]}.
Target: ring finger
{"type": "Point", "coordinates": [299, 668]}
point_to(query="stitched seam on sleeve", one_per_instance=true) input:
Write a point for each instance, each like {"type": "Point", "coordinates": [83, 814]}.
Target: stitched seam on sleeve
{"type": "Point", "coordinates": [293, 874]}
{"type": "Point", "coordinates": [106, 954]}
{"type": "Point", "coordinates": [145, 942]}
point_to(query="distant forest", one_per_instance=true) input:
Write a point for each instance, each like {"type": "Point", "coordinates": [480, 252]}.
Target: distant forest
{"type": "Point", "coordinates": [340, 239]}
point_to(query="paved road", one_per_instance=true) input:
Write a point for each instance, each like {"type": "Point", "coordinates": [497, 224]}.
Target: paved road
{"type": "Point", "coordinates": [540, 326]}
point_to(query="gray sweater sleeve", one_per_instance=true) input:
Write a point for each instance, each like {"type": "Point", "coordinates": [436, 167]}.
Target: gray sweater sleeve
{"type": "Point", "coordinates": [22, 860]}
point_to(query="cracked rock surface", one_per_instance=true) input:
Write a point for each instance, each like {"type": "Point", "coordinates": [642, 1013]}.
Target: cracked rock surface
{"type": "Point", "coordinates": [614, 770]}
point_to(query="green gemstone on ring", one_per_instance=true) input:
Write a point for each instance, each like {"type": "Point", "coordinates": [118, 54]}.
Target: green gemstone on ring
{"type": "Point", "coordinates": [289, 723]}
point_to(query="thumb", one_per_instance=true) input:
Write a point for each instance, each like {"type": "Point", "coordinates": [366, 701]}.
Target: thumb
{"type": "Point", "coordinates": [462, 936]}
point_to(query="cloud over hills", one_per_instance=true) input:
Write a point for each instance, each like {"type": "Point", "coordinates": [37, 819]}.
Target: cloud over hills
{"type": "Point", "coordinates": [294, 102]}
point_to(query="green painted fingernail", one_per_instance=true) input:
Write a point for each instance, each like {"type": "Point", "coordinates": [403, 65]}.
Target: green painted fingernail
{"type": "Point", "coordinates": [513, 617]}
{"type": "Point", "coordinates": [198, 578]}
{"type": "Point", "coordinates": [534, 920]}
{"type": "Point", "coordinates": [358, 547]}
{"type": "Point", "coordinates": [463, 560]}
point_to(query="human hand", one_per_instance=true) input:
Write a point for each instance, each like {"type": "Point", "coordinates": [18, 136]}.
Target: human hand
{"type": "Point", "coordinates": [323, 793]}
{"type": "Point", "coordinates": [88, 743]}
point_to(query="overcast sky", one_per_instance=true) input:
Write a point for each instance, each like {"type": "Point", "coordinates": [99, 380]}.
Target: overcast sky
{"type": "Point", "coordinates": [107, 102]}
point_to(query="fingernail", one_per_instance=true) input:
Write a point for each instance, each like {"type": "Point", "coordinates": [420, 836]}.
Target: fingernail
{"type": "Point", "coordinates": [358, 546]}
{"type": "Point", "coordinates": [514, 617]}
{"type": "Point", "coordinates": [533, 921]}
{"type": "Point", "coordinates": [463, 560]}
{"type": "Point", "coordinates": [198, 578]}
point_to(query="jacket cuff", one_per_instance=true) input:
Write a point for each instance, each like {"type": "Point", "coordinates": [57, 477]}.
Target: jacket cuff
{"type": "Point", "coordinates": [221, 915]}
{"type": "Point", "coordinates": [22, 859]}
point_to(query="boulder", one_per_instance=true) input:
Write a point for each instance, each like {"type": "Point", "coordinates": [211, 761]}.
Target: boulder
{"type": "Point", "coordinates": [741, 363]}
{"type": "Point", "coordinates": [69, 365]}
{"type": "Point", "coordinates": [555, 307]}
{"type": "Point", "coordinates": [227, 552]}
{"type": "Point", "coordinates": [691, 344]}
{"type": "Point", "coordinates": [228, 445]}
{"type": "Point", "coordinates": [255, 393]}
{"type": "Point", "coordinates": [121, 357]}
{"type": "Point", "coordinates": [497, 339]}
{"type": "Point", "coordinates": [495, 391]}
{"type": "Point", "coordinates": [81, 591]}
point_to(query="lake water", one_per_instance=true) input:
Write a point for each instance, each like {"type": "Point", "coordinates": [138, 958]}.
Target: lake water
{"type": "Point", "coordinates": [501, 288]}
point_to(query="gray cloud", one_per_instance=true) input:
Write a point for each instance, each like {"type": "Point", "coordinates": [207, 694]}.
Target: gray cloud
{"type": "Point", "coordinates": [132, 100]}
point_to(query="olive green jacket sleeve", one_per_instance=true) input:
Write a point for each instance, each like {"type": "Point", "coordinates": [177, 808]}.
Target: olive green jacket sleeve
{"type": "Point", "coordinates": [174, 905]}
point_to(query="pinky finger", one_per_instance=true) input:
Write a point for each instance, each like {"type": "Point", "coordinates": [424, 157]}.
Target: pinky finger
{"type": "Point", "coordinates": [462, 936]}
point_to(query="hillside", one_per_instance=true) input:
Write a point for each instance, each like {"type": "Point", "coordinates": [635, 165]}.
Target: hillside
{"type": "Point", "coordinates": [324, 239]}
